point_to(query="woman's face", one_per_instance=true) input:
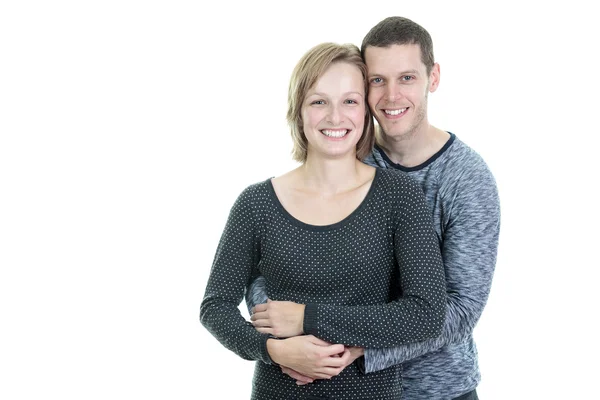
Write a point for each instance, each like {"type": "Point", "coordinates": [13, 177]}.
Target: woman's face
{"type": "Point", "coordinates": [333, 112]}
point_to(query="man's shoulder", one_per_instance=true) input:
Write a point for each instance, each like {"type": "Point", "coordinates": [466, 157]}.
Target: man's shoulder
{"type": "Point", "coordinates": [460, 163]}
{"type": "Point", "coordinates": [461, 155]}
{"type": "Point", "coordinates": [465, 180]}
{"type": "Point", "coordinates": [374, 159]}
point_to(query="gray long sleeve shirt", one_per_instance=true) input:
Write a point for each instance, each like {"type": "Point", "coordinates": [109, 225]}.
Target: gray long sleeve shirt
{"type": "Point", "coordinates": [463, 197]}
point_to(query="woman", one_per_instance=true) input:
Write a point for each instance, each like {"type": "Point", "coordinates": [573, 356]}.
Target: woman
{"type": "Point", "coordinates": [351, 245]}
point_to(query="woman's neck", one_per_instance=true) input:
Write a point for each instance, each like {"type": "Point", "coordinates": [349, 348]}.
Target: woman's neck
{"type": "Point", "coordinates": [333, 176]}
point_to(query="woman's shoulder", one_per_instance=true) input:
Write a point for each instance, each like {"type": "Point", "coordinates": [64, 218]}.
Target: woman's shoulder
{"type": "Point", "coordinates": [401, 191]}
{"type": "Point", "coordinates": [398, 180]}
{"type": "Point", "coordinates": [256, 192]}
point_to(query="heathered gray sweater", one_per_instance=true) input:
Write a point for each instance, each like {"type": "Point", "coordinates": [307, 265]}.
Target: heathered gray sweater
{"type": "Point", "coordinates": [462, 195]}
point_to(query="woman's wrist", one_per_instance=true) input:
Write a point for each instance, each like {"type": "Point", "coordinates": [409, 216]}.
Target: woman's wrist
{"type": "Point", "coordinates": [273, 348]}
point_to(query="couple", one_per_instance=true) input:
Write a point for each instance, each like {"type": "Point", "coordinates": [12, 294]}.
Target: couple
{"type": "Point", "coordinates": [367, 299]}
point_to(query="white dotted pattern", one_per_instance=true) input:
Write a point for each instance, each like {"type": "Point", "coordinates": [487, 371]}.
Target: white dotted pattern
{"type": "Point", "coordinates": [374, 279]}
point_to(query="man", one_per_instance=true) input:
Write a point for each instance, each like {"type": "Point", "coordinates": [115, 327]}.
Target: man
{"type": "Point", "coordinates": [462, 194]}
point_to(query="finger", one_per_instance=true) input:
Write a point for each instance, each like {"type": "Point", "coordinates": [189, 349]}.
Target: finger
{"type": "Point", "coordinates": [314, 374]}
{"type": "Point", "coordinates": [330, 372]}
{"type": "Point", "coordinates": [332, 349]}
{"type": "Point", "coordinates": [302, 378]}
{"type": "Point", "coordinates": [261, 319]}
{"type": "Point", "coordinates": [261, 324]}
{"type": "Point", "coordinates": [323, 375]}
{"type": "Point", "coordinates": [296, 375]}
{"type": "Point", "coordinates": [260, 307]}
{"type": "Point", "coordinates": [317, 341]}
{"type": "Point", "coordinates": [335, 362]}
{"type": "Point", "coordinates": [259, 315]}
{"type": "Point", "coordinates": [345, 358]}
{"type": "Point", "coordinates": [286, 370]}
{"type": "Point", "coordinates": [268, 331]}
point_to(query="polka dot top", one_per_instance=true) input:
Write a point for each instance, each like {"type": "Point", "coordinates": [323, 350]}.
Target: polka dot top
{"type": "Point", "coordinates": [374, 279]}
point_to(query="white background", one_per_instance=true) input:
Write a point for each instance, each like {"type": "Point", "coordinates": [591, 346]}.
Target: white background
{"type": "Point", "coordinates": [128, 129]}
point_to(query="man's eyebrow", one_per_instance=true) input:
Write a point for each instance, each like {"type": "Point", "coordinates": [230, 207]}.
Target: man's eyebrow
{"type": "Point", "coordinates": [410, 71]}
{"type": "Point", "coordinates": [406, 72]}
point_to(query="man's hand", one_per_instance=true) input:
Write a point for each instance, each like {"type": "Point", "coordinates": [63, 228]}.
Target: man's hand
{"type": "Point", "coordinates": [309, 356]}
{"type": "Point", "coordinates": [355, 352]}
{"type": "Point", "coordinates": [281, 319]}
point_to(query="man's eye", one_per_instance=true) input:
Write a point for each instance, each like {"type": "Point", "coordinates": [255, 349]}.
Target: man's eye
{"type": "Point", "coordinates": [376, 80]}
{"type": "Point", "coordinates": [407, 78]}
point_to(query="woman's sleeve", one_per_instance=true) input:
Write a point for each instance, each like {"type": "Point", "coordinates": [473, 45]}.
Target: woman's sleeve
{"type": "Point", "coordinates": [237, 255]}
{"type": "Point", "coordinates": [418, 314]}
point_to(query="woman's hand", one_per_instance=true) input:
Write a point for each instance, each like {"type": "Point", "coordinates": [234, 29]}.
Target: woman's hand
{"type": "Point", "coordinates": [281, 319]}
{"type": "Point", "coordinates": [355, 352]}
{"type": "Point", "coordinates": [310, 357]}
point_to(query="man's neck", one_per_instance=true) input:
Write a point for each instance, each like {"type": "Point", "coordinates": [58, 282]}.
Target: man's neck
{"type": "Point", "coordinates": [416, 149]}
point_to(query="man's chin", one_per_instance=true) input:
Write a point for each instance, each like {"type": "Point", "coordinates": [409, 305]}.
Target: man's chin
{"type": "Point", "coordinates": [397, 134]}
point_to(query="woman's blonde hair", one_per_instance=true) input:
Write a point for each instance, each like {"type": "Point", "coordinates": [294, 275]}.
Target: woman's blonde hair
{"type": "Point", "coordinates": [306, 74]}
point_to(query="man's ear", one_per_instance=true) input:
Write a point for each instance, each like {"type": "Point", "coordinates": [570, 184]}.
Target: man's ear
{"type": "Point", "coordinates": [434, 77]}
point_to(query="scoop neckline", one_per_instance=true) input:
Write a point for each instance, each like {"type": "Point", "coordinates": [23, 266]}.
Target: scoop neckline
{"type": "Point", "coordinates": [346, 220]}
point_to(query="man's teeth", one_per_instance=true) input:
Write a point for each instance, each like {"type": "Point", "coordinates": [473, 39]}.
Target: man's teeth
{"type": "Point", "coordinates": [334, 133]}
{"type": "Point", "coordinates": [395, 112]}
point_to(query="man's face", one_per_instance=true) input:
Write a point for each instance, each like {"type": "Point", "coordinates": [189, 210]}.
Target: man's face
{"type": "Point", "coordinates": [398, 88]}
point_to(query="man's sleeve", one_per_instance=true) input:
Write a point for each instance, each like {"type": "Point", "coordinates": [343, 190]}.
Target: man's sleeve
{"type": "Point", "coordinates": [469, 249]}
{"type": "Point", "coordinates": [256, 293]}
